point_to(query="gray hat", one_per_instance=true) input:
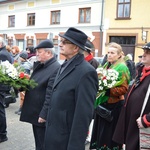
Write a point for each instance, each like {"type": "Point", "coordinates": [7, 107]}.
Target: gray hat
{"type": "Point", "coordinates": [45, 44]}
{"type": "Point", "coordinates": [75, 36]}
{"type": "Point", "coordinates": [24, 55]}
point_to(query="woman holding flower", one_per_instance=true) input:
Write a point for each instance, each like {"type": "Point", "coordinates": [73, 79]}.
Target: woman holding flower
{"type": "Point", "coordinates": [111, 98]}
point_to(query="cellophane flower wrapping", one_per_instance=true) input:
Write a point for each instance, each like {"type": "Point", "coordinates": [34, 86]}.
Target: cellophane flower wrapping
{"type": "Point", "coordinates": [107, 79]}
{"type": "Point", "coordinates": [13, 75]}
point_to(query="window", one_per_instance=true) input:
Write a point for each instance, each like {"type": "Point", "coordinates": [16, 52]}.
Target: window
{"type": "Point", "coordinates": [39, 40]}
{"type": "Point", "coordinates": [84, 15]}
{"type": "Point", "coordinates": [55, 1]}
{"type": "Point", "coordinates": [11, 21]}
{"type": "Point", "coordinates": [123, 39]}
{"type": "Point", "coordinates": [55, 17]}
{"type": "Point", "coordinates": [10, 42]}
{"type": "Point", "coordinates": [30, 42]}
{"type": "Point", "coordinates": [31, 19]}
{"type": "Point", "coordinates": [124, 7]}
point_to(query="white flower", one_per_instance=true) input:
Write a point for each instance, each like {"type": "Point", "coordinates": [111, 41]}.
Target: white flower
{"type": "Point", "coordinates": [107, 78]}
{"type": "Point", "coordinates": [8, 69]}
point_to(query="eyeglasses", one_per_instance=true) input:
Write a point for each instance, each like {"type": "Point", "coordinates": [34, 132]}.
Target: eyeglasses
{"type": "Point", "coordinates": [65, 42]}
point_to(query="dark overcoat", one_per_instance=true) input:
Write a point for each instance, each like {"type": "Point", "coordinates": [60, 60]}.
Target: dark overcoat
{"type": "Point", "coordinates": [5, 55]}
{"type": "Point", "coordinates": [72, 105]}
{"type": "Point", "coordinates": [44, 75]}
{"type": "Point", "coordinates": [127, 130]}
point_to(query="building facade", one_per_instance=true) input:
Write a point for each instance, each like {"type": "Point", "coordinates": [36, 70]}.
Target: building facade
{"type": "Point", "coordinates": [27, 22]}
{"type": "Point", "coordinates": [128, 24]}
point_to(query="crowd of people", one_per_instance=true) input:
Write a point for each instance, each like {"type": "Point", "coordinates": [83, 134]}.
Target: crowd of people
{"type": "Point", "coordinates": [63, 108]}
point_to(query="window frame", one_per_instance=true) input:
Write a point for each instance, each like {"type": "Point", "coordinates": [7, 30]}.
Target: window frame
{"type": "Point", "coordinates": [31, 21]}
{"type": "Point", "coordinates": [84, 15]}
{"type": "Point", "coordinates": [57, 14]}
{"type": "Point", "coordinates": [123, 4]}
{"type": "Point", "coordinates": [11, 21]}
{"type": "Point", "coordinates": [10, 42]}
{"type": "Point", "coordinates": [30, 42]}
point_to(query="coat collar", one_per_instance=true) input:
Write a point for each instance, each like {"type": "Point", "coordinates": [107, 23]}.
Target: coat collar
{"type": "Point", "coordinates": [76, 61]}
{"type": "Point", "coordinates": [38, 64]}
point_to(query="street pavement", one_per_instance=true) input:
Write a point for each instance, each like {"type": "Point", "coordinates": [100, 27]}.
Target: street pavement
{"type": "Point", "coordinates": [20, 135]}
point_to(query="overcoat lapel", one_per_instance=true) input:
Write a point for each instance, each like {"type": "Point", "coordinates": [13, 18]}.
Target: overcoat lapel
{"type": "Point", "coordinates": [61, 76]}
{"type": "Point", "coordinates": [68, 70]}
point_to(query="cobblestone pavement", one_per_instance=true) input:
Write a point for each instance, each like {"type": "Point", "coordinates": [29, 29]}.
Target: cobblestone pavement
{"type": "Point", "coordinates": [20, 135]}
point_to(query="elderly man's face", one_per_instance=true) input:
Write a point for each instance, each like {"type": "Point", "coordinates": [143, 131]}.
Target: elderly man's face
{"type": "Point", "coordinates": [67, 48]}
{"type": "Point", "coordinates": [146, 58]}
{"type": "Point", "coordinates": [43, 55]}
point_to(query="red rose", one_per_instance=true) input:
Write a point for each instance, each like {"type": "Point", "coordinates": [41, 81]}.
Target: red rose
{"type": "Point", "coordinates": [21, 75]}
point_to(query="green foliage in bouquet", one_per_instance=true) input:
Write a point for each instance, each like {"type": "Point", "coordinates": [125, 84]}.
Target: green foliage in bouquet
{"type": "Point", "coordinates": [10, 75]}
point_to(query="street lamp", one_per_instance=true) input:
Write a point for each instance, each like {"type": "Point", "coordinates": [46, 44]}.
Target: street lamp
{"type": "Point", "coordinates": [144, 35]}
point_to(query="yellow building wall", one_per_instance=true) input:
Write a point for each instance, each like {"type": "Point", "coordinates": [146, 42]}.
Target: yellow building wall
{"type": "Point", "coordinates": [139, 18]}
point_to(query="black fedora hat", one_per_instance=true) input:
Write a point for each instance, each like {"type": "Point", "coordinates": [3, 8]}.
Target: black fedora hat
{"type": "Point", "coordinates": [75, 36]}
{"type": "Point", "coordinates": [89, 46]}
{"type": "Point", "coordinates": [45, 44]}
{"type": "Point", "coordinates": [147, 46]}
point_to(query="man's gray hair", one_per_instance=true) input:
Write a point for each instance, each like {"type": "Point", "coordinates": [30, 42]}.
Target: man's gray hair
{"type": "Point", "coordinates": [52, 50]}
{"type": "Point", "coordinates": [2, 41]}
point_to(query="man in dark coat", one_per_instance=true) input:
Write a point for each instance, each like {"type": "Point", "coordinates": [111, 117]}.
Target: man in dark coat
{"type": "Point", "coordinates": [44, 71]}
{"type": "Point", "coordinates": [4, 55]}
{"type": "Point", "coordinates": [73, 95]}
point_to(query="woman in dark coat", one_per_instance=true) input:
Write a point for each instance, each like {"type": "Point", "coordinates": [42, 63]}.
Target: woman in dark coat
{"type": "Point", "coordinates": [127, 130]}
{"type": "Point", "coordinates": [113, 100]}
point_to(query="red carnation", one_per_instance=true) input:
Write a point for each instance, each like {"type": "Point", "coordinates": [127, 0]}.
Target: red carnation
{"type": "Point", "coordinates": [104, 78]}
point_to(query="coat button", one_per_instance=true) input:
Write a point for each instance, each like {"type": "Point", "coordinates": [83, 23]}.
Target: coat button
{"type": "Point", "coordinates": [54, 90]}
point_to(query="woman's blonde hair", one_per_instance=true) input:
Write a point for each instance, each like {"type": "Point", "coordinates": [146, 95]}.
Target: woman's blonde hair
{"type": "Point", "coordinates": [119, 50]}
{"type": "Point", "coordinates": [117, 46]}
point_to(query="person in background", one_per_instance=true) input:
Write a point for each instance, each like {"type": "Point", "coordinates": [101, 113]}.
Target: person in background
{"type": "Point", "coordinates": [31, 54]}
{"type": "Point", "coordinates": [9, 49]}
{"type": "Point", "coordinates": [4, 55]}
{"type": "Point", "coordinates": [139, 63]}
{"type": "Point", "coordinates": [88, 56]}
{"type": "Point", "coordinates": [44, 72]}
{"type": "Point", "coordinates": [26, 66]}
{"type": "Point", "coordinates": [15, 53]}
{"type": "Point", "coordinates": [104, 60]}
{"type": "Point", "coordinates": [131, 66]}
{"type": "Point", "coordinates": [74, 91]}
{"type": "Point", "coordinates": [114, 99]}
{"type": "Point", "coordinates": [127, 130]}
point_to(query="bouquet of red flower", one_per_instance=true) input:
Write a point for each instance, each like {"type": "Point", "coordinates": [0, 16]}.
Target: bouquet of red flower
{"type": "Point", "coordinates": [10, 75]}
